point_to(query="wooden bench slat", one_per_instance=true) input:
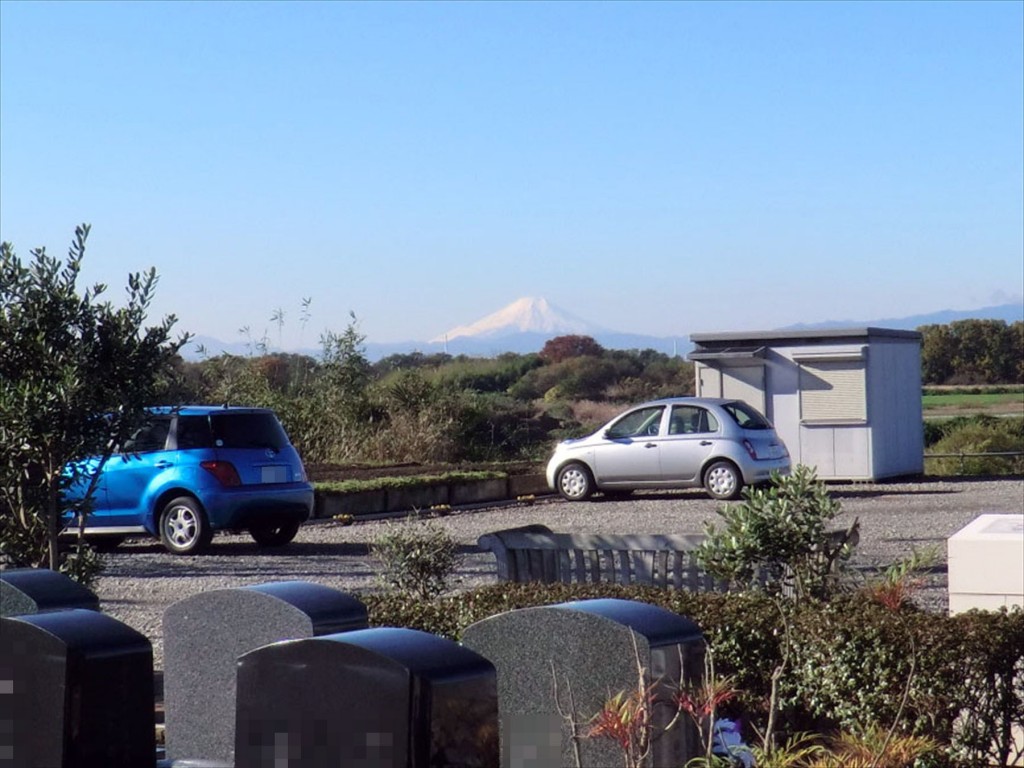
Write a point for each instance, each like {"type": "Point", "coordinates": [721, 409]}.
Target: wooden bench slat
{"type": "Point", "coordinates": [579, 566]}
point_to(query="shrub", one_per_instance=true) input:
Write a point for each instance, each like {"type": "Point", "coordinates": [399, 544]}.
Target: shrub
{"type": "Point", "coordinates": [416, 558]}
{"type": "Point", "coordinates": [979, 434]}
{"type": "Point", "coordinates": [852, 662]}
{"type": "Point", "coordinates": [418, 422]}
{"type": "Point", "coordinates": [776, 539]}
{"type": "Point", "coordinates": [76, 374]}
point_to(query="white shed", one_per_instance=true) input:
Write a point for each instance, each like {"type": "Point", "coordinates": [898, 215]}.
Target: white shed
{"type": "Point", "coordinates": [846, 401]}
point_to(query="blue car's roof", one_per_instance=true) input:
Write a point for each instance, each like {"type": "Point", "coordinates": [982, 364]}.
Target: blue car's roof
{"type": "Point", "coordinates": [205, 410]}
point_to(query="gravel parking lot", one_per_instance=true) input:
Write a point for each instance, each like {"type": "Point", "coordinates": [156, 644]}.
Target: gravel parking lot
{"type": "Point", "coordinates": [141, 580]}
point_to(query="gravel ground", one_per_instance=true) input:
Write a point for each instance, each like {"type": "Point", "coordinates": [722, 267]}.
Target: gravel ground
{"type": "Point", "coordinates": [141, 580]}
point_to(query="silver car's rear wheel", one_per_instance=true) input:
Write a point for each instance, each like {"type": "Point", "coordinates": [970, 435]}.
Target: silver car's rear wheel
{"type": "Point", "coordinates": [723, 481]}
{"type": "Point", "coordinates": [575, 482]}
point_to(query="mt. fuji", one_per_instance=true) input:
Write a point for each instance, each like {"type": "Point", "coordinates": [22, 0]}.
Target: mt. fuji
{"type": "Point", "coordinates": [526, 315]}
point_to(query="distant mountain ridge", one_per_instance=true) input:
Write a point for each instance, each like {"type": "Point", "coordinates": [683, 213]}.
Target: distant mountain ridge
{"type": "Point", "coordinates": [1009, 313]}
{"type": "Point", "coordinates": [526, 324]}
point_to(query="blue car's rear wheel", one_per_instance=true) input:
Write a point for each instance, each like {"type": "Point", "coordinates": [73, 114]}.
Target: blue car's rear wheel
{"type": "Point", "coordinates": [270, 535]}
{"type": "Point", "coordinates": [184, 529]}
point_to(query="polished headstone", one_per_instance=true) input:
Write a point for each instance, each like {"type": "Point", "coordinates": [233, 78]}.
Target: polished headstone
{"type": "Point", "coordinates": [375, 698]}
{"type": "Point", "coordinates": [557, 666]}
{"type": "Point", "coordinates": [37, 590]}
{"type": "Point", "coordinates": [77, 691]}
{"type": "Point", "coordinates": [205, 634]}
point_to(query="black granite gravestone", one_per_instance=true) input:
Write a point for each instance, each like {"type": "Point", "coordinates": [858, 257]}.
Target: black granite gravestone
{"type": "Point", "coordinates": [374, 698]}
{"type": "Point", "coordinates": [78, 691]}
{"type": "Point", "coordinates": [205, 634]}
{"type": "Point", "coordinates": [557, 666]}
{"type": "Point", "coordinates": [37, 590]}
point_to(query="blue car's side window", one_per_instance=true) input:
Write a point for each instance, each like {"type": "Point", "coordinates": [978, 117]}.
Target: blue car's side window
{"type": "Point", "coordinates": [151, 437]}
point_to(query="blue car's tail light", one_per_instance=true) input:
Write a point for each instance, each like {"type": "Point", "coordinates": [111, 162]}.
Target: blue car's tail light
{"type": "Point", "coordinates": [224, 471]}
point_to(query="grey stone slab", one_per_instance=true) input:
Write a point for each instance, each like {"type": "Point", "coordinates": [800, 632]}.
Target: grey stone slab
{"type": "Point", "coordinates": [37, 590]}
{"type": "Point", "coordinates": [77, 691]}
{"type": "Point", "coordinates": [205, 634]}
{"type": "Point", "coordinates": [380, 698]}
{"type": "Point", "coordinates": [557, 666]}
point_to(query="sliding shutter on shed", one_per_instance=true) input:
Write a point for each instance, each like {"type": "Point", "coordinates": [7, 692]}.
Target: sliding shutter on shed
{"type": "Point", "coordinates": [832, 387]}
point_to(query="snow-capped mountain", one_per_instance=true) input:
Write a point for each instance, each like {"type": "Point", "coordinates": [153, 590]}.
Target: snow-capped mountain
{"type": "Point", "coordinates": [526, 315]}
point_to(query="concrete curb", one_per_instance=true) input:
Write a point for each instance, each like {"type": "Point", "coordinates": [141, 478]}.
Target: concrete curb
{"type": "Point", "coordinates": [364, 504]}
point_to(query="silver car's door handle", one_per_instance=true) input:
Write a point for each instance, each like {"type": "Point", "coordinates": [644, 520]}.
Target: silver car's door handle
{"type": "Point", "coordinates": [651, 445]}
{"type": "Point", "coordinates": [706, 442]}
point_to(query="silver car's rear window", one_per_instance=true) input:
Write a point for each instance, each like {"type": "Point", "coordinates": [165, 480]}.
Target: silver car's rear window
{"type": "Point", "coordinates": [745, 416]}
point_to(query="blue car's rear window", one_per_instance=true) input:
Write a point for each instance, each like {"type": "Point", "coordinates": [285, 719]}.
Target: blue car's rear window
{"type": "Point", "coordinates": [194, 432]}
{"type": "Point", "coordinates": [247, 430]}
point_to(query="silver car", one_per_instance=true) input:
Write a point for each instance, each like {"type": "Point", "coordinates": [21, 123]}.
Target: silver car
{"type": "Point", "coordinates": [678, 442]}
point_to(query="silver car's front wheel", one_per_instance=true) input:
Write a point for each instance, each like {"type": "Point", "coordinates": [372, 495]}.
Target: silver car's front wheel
{"type": "Point", "coordinates": [574, 482]}
{"type": "Point", "coordinates": [723, 481]}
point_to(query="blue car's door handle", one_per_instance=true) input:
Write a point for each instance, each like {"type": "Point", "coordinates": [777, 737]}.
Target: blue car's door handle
{"type": "Point", "coordinates": [164, 464]}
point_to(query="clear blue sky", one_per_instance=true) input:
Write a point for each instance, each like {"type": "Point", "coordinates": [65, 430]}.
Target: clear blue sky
{"type": "Point", "coordinates": [660, 168]}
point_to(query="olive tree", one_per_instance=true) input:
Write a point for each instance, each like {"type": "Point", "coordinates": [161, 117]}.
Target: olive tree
{"type": "Point", "coordinates": [76, 374]}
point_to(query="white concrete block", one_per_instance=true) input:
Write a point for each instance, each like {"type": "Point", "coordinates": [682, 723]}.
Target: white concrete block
{"type": "Point", "coordinates": [986, 563]}
{"type": "Point", "coordinates": [960, 602]}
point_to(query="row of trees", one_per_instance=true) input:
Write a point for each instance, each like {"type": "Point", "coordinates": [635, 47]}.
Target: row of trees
{"type": "Point", "coordinates": [973, 352]}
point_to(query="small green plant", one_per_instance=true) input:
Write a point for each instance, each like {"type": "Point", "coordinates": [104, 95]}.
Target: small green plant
{"type": "Point", "coordinates": [701, 702]}
{"type": "Point", "coordinates": [416, 557]}
{"type": "Point", "coordinates": [875, 748]}
{"type": "Point", "coordinates": [82, 563]}
{"type": "Point", "coordinates": [777, 539]}
{"type": "Point", "coordinates": [801, 750]}
{"type": "Point", "coordinates": [897, 584]}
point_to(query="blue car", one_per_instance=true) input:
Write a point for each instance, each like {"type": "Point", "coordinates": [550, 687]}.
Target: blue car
{"type": "Point", "coordinates": [193, 470]}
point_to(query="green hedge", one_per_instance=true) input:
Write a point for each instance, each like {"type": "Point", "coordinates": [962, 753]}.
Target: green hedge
{"type": "Point", "coordinates": [975, 435]}
{"type": "Point", "coordinates": [406, 481]}
{"type": "Point", "coordinates": [849, 661]}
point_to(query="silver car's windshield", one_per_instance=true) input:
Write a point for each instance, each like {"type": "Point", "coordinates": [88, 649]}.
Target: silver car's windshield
{"type": "Point", "coordinates": [643, 421]}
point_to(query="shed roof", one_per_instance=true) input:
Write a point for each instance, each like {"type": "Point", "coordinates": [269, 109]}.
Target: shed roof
{"type": "Point", "coordinates": [806, 336]}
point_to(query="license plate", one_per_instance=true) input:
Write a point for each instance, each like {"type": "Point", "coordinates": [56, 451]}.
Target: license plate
{"type": "Point", "coordinates": [276, 474]}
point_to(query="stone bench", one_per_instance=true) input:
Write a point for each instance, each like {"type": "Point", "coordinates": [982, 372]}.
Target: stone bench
{"type": "Point", "coordinates": [534, 553]}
